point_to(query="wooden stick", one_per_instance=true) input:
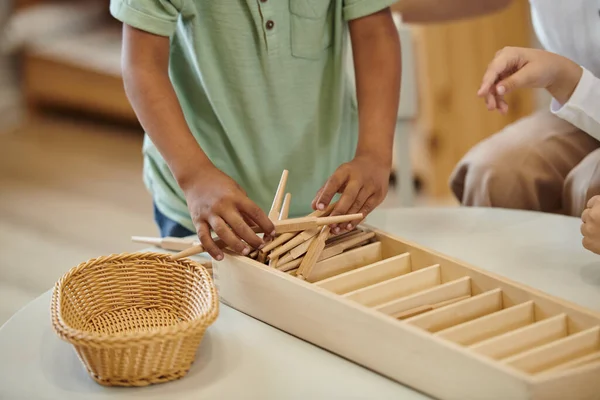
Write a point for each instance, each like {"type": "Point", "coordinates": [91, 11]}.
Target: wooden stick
{"type": "Point", "coordinates": [289, 266]}
{"type": "Point", "coordinates": [198, 248]}
{"type": "Point", "coordinates": [333, 238]}
{"type": "Point", "coordinates": [167, 243]}
{"type": "Point", "coordinates": [345, 244]}
{"type": "Point", "coordinates": [278, 199]}
{"type": "Point", "coordinates": [285, 210]}
{"type": "Point", "coordinates": [427, 307]}
{"type": "Point", "coordinates": [313, 253]}
{"type": "Point", "coordinates": [303, 223]}
{"type": "Point", "coordinates": [283, 238]}
{"type": "Point", "coordinates": [330, 250]}
{"type": "Point", "coordinates": [296, 241]}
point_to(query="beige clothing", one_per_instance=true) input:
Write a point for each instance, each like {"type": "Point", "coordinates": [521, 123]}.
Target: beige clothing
{"type": "Point", "coordinates": [540, 163]}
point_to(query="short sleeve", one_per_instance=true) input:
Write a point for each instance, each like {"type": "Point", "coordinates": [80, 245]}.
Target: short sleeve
{"type": "Point", "coordinates": [155, 16]}
{"type": "Point", "coordinates": [354, 9]}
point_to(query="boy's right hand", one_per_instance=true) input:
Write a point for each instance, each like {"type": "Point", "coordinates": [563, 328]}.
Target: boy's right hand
{"type": "Point", "coordinates": [216, 202]}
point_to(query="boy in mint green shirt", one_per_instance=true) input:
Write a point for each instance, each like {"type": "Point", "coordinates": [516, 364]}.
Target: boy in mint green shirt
{"type": "Point", "coordinates": [232, 92]}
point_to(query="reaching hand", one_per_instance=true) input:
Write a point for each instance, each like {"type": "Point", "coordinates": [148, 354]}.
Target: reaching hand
{"type": "Point", "coordinates": [217, 202]}
{"type": "Point", "coordinates": [363, 183]}
{"type": "Point", "coordinates": [590, 227]}
{"type": "Point", "coordinates": [514, 68]}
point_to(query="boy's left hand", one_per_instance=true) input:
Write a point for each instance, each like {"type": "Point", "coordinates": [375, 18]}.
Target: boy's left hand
{"type": "Point", "coordinates": [363, 183]}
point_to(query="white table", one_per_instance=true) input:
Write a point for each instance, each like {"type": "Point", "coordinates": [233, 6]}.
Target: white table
{"type": "Point", "coordinates": [242, 358]}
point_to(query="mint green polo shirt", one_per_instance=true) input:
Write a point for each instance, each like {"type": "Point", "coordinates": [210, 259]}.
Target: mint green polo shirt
{"type": "Point", "coordinates": [263, 87]}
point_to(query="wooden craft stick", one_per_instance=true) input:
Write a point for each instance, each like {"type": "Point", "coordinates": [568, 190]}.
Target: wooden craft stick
{"type": "Point", "coordinates": [287, 257]}
{"type": "Point", "coordinates": [296, 241]}
{"type": "Point", "coordinates": [303, 248]}
{"type": "Point", "coordinates": [313, 253]}
{"type": "Point", "coordinates": [278, 199]}
{"type": "Point", "coordinates": [289, 266]}
{"type": "Point", "coordinates": [345, 244]}
{"type": "Point", "coordinates": [285, 210]}
{"type": "Point", "coordinates": [333, 238]}
{"type": "Point", "coordinates": [167, 243]}
{"type": "Point", "coordinates": [303, 223]}
{"type": "Point", "coordinates": [198, 248]}
{"type": "Point", "coordinates": [285, 237]}
{"type": "Point", "coordinates": [427, 307]}
{"type": "Point", "coordinates": [330, 250]}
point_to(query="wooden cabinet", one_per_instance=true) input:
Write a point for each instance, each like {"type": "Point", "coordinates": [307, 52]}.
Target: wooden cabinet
{"type": "Point", "coordinates": [451, 60]}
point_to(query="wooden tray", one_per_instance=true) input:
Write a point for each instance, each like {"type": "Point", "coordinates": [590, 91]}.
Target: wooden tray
{"type": "Point", "coordinates": [485, 338]}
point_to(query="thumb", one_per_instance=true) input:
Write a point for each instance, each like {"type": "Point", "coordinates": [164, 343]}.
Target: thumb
{"type": "Point", "coordinates": [522, 78]}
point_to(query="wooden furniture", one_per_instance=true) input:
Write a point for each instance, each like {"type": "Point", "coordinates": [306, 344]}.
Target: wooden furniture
{"type": "Point", "coordinates": [439, 325]}
{"type": "Point", "coordinates": [77, 72]}
{"type": "Point", "coordinates": [451, 60]}
{"type": "Point", "coordinates": [247, 356]}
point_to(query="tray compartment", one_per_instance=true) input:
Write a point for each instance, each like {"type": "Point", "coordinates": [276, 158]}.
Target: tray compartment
{"type": "Point", "coordinates": [347, 261]}
{"type": "Point", "coordinates": [460, 312]}
{"type": "Point", "coordinates": [490, 325]}
{"type": "Point", "coordinates": [398, 287]}
{"type": "Point", "coordinates": [557, 352]}
{"type": "Point", "coordinates": [522, 339]}
{"type": "Point", "coordinates": [368, 275]}
{"type": "Point", "coordinates": [429, 297]}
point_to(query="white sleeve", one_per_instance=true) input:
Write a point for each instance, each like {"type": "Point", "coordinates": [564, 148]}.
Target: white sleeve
{"type": "Point", "coordinates": [583, 108]}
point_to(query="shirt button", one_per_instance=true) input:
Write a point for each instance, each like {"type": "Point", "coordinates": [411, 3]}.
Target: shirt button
{"type": "Point", "coordinates": [270, 24]}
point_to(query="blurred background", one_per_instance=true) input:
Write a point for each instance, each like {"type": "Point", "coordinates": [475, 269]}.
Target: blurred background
{"type": "Point", "coordinates": [70, 146]}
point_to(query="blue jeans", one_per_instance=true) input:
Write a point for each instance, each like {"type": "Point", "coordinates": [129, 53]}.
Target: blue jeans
{"type": "Point", "coordinates": [168, 227]}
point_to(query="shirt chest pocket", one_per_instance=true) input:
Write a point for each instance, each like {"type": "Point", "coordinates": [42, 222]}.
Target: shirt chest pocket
{"type": "Point", "coordinates": [311, 27]}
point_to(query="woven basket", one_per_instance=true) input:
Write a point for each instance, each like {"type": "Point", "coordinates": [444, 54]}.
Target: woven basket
{"type": "Point", "coordinates": [135, 319]}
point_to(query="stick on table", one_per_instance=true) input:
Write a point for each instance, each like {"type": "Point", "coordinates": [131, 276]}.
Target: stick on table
{"type": "Point", "coordinates": [167, 243]}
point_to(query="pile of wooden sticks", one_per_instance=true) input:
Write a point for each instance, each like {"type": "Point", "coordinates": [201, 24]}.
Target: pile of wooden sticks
{"type": "Point", "coordinates": [299, 243]}
{"type": "Point", "coordinates": [297, 248]}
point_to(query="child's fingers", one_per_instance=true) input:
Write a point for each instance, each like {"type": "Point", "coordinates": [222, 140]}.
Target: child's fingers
{"type": "Point", "coordinates": [520, 79]}
{"type": "Point", "coordinates": [242, 230]}
{"type": "Point", "coordinates": [208, 243]}
{"type": "Point", "coordinates": [500, 65]}
{"type": "Point", "coordinates": [358, 205]}
{"type": "Point", "coordinates": [368, 206]}
{"type": "Point", "coordinates": [345, 202]}
{"type": "Point", "coordinates": [226, 235]}
{"type": "Point", "coordinates": [331, 187]}
{"type": "Point", "coordinates": [254, 212]}
{"type": "Point", "coordinates": [490, 101]}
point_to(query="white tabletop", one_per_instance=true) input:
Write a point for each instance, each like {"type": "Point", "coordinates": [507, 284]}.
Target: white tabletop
{"type": "Point", "coordinates": [242, 358]}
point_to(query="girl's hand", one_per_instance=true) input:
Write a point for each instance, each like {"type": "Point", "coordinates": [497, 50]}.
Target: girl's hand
{"type": "Point", "coordinates": [363, 183]}
{"type": "Point", "coordinates": [590, 227]}
{"type": "Point", "coordinates": [514, 68]}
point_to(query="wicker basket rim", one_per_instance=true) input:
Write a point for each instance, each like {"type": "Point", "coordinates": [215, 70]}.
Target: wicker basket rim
{"type": "Point", "coordinates": [71, 334]}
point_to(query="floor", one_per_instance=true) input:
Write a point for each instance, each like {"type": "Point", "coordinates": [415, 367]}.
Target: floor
{"type": "Point", "coordinates": [71, 190]}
